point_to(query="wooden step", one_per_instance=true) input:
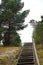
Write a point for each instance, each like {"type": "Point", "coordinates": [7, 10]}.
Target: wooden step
{"type": "Point", "coordinates": [26, 57]}
{"type": "Point", "coordinates": [25, 52]}
{"type": "Point", "coordinates": [28, 48]}
{"type": "Point", "coordinates": [26, 63]}
{"type": "Point", "coordinates": [30, 54]}
{"type": "Point", "coordinates": [28, 44]}
{"type": "Point", "coordinates": [26, 60]}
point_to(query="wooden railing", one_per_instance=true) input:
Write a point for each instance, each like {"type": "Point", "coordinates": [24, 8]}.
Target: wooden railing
{"type": "Point", "coordinates": [35, 54]}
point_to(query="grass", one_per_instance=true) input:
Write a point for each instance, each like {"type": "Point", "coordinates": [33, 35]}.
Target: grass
{"type": "Point", "coordinates": [9, 55]}
{"type": "Point", "coordinates": [39, 48]}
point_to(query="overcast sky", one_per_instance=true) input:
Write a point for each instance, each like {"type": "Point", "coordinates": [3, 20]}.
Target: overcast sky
{"type": "Point", "coordinates": [36, 10]}
{"type": "Point", "coordinates": [0, 1]}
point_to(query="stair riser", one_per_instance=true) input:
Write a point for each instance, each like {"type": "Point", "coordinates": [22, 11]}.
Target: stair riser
{"type": "Point", "coordinates": [26, 57]}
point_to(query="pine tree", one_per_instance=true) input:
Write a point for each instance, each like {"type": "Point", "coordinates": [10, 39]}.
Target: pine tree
{"type": "Point", "coordinates": [11, 18]}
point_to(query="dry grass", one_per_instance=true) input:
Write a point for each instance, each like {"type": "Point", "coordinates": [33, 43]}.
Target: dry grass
{"type": "Point", "coordinates": [40, 53]}
{"type": "Point", "coordinates": [9, 55]}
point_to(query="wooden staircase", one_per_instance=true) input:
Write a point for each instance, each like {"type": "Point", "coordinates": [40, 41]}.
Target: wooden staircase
{"type": "Point", "coordinates": [27, 55]}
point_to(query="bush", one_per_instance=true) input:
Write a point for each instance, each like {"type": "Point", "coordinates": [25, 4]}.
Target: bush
{"type": "Point", "coordinates": [36, 38]}
{"type": "Point", "coordinates": [15, 40]}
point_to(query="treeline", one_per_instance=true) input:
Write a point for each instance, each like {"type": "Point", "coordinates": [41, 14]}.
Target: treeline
{"type": "Point", "coordinates": [11, 20]}
{"type": "Point", "coordinates": [38, 30]}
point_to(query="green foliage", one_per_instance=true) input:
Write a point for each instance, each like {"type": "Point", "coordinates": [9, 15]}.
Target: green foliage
{"type": "Point", "coordinates": [38, 31]}
{"type": "Point", "coordinates": [14, 5]}
{"type": "Point", "coordinates": [36, 38]}
{"type": "Point", "coordinates": [13, 19]}
{"type": "Point", "coordinates": [15, 40]}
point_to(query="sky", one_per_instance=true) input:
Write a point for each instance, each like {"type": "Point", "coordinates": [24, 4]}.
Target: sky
{"type": "Point", "coordinates": [36, 10]}
{"type": "Point", "coordinates": [0, 1]}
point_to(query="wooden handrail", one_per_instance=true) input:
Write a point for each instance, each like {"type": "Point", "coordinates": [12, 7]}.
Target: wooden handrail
{"type": "Point", "coordinates": [35, 52]}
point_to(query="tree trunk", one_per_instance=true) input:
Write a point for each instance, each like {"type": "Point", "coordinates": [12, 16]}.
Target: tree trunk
{"type": "Point", "coordinates": [9, 32]}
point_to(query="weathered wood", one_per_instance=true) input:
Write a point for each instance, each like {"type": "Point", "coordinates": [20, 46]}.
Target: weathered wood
{"type": "Point", "coordinates": [35, 54]}
{"type": "Point", "coordinates": [26, 56]}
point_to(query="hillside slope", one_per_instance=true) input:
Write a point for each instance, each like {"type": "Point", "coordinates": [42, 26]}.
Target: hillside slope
{"type": "Point", "coordinates": [39, 48]}
{"type": "Point", "coordinates": [9, 55]}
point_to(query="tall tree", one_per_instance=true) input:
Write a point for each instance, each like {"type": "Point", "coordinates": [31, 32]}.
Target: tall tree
{"type": "Point", "coordinates": [11, 18]}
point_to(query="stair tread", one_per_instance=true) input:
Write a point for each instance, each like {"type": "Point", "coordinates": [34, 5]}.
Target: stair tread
{"type": "Point", "coordinates": [26, 57]}
{"type": "Point", "coordinates": [26, 63]}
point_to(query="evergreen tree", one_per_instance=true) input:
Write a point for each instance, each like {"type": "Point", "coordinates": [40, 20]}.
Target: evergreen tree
{"type": "Point", "coordinates": [11, 18]}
